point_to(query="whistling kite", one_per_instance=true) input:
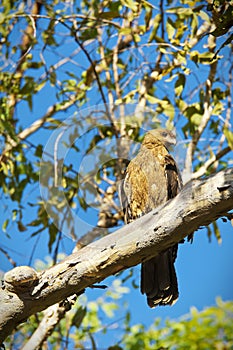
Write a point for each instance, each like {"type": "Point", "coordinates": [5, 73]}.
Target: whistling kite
{"type": "Point", "coordinates": [151, 179]}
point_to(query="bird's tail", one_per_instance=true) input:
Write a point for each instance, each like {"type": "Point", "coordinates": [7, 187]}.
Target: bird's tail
{"type": "Point", "coordinates": [158, 279]}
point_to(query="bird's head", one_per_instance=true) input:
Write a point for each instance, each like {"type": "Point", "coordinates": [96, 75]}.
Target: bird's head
{"type": "Point", "coordinates": [161, 136]}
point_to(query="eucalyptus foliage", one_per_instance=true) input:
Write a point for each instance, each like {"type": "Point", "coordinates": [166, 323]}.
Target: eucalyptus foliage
{"type": "Point", "coordinates": [106, 71]}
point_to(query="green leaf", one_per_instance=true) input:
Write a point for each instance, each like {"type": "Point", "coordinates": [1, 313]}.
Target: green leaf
{"type": "Point", "coordinates": [5, 225]}
{"type": "Point", "coordinates": [130, 4]}
{"type": "Point", "coordinates": [53, 78]}
{"type": "Point", "coordinates": [109, 309]}
{"type": "Point", "coordinates": [229, 137]}
{"type": "Point", "coordinates": [179, 85]}
{"type": "Point", "coordinates": [148, 17]}
{"type": "Point", "coordinates": [196, 119]}
{"type": "Point", "coordinates": [35, 222]}
{"type": "Point", "coordinates": [217, 232]}
{"type": "Point", "coordinates": [90, 33]}
{"type": "Point", "coordinates": [52, 235]}
{"type": "Point", "coordinates": [21, 227]}
{"type": "Point", "coordinates": [152, 99]}
{"type": "Point", "coordinates": [39, 151]}
{"type": "Point", "coordinates": [170, 28]}
{"type": "Point", "coordinates": [79, 316]}
{"type": "Point", "coordinates": [83, 203]}
{"type": "Point", "coordinates": [155, 28]}
{"type": "Point", "coordinates": [209, 233]}
{"type": "Point", "coordinates": [125, 31]}
{"type": "Point", "coordinates": [170, 111]}
{"type": "Point", "coordinates": [109, 15]}
{"type": "Point", "coordinates": [181, 11]}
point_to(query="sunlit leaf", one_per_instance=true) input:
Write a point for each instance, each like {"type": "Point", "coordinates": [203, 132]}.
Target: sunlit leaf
{"type": "Point", "coordinates": [229, 136]}
{"type": "Point", "coordinates": [5, 225]}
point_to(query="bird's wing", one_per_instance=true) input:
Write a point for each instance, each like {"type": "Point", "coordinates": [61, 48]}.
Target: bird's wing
{"type": "Point", "coordinates": [174, 181]}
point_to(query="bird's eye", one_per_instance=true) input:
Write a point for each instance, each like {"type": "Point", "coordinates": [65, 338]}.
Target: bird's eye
{"type": "Point", "coordinates": [164, 134]}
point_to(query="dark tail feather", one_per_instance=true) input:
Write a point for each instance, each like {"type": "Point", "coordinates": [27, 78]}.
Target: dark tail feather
{"type": "Point", "coordinates": [158, 279]}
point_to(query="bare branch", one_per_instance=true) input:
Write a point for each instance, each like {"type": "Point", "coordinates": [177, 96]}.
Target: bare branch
{"type": "Point", "coordinates": [199, 203]}
{"type": "Point", "coordinates": [37, 124]}
{"type": "Point", "coordinates": [9, 258]}
{"type": "Point", "coordinates": [204, 121]}
{"type": "Point", "coordinates": [107, 73]}
{"type": "Point", "coordinates": [211, 161]}
{"type": "Point", "coordinates": [72, 17]}
{"type": "Point", "coordinates": [52, 317]}
{"type": "Point", "coordinates": [25, 48]}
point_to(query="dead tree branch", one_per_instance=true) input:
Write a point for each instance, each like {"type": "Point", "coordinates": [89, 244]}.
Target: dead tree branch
{"type": "Point", "coordinates": [200, 202]}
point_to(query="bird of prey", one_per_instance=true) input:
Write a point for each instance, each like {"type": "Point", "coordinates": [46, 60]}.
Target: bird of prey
{"type": "Point", "coordinates": [151, 179]}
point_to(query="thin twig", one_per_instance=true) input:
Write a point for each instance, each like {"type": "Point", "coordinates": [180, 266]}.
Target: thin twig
{"type": "Point", "coordinates": [71, 17]}
{"type": "Point", "coordinates": [204, 121]}
{"type": "Point", "coordinates": [37, 125]}
{"type": "Point", "coordinates": [202, 170]}
{"type": "Point", "coordinates": [13, 263]}
{"type": "Point", "coordinates": [107, 72]}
